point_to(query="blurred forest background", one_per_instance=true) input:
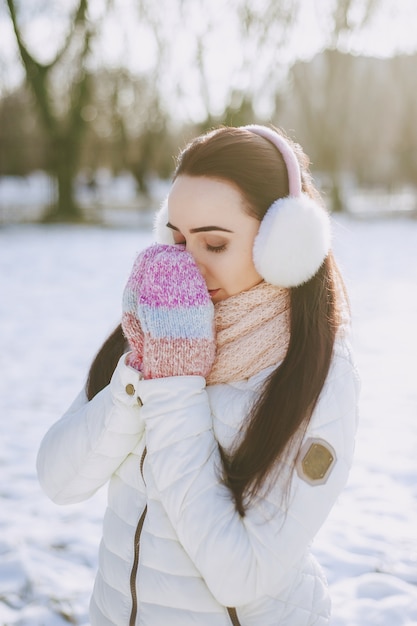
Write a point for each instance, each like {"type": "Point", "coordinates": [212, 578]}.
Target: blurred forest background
{"type": "Point", "coordinates": [98, 95]}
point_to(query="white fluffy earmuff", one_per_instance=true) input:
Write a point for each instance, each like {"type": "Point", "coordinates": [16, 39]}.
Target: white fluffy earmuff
{"type": "Point", "coordinates": [294, 236]}
{"type": "Point", "coordinates": [162, 233]}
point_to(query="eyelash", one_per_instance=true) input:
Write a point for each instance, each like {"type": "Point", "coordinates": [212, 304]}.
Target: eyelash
{"type": "Point", "coordinates": [216, 248]}
{"type": "Point", "coordinates": [209, 248]}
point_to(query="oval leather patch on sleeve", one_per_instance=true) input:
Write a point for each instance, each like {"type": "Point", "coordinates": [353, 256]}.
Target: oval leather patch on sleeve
{"type": "Point", "coordinates": [315, 461]}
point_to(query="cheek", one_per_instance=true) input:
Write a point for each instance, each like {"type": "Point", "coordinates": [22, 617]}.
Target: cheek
{"type": "Point", "coordinates": [217, 261]}
{"type": "Point", "coordinates": [249, 274]}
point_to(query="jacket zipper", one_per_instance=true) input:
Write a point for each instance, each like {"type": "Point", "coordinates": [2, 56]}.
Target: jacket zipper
{"type": "Point", "coordinates": [231, 611]}
{"type": "Point", "coordinates": [233, 616]}
{"type": "Point", "coordinates": [133, 573]}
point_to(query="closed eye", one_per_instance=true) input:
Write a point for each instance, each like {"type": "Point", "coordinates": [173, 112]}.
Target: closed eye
{"type": "Point", "coordinates": [216, 248]}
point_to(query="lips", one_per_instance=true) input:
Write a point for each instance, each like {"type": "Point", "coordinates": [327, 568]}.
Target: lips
{"type": "Point", "coordinates": [213, 292]}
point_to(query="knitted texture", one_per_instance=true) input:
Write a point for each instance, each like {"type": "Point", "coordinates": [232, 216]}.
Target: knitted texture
{"type": "Point", "coordinates": [175, 312]}
{"type": "Point", "coordinates": [252, 333]}
{"type": "Point", "coordinates": [130, 322]}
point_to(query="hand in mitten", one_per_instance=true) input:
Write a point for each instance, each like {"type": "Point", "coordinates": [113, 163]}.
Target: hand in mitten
{"type": "Point", "coordinates": [176, 314]}
{"type": "Point", "coordinates": [130, 321]}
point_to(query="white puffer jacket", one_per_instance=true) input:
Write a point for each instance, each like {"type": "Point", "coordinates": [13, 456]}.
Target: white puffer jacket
{"type": "Point", "coordinates": [174, 549]}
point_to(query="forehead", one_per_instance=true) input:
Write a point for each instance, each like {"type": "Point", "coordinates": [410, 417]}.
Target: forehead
{"type": "Point", "coordinates": [198, 197]}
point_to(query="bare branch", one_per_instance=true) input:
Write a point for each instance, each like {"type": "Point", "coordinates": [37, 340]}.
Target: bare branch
{"type": "Point", "coordinates": [64, 132]}
{"type": "Point", "coordinates": [36, 72]}
{"type": "Point", "coordinates": [79, 19]}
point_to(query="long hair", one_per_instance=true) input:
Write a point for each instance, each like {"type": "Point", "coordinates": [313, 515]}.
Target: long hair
{"type": "Point", "coordinates": [105, 361]}
{"type": "Point", "coordinates": [288, 398]}
{"type": "Point", "coordinates": [286, 403]}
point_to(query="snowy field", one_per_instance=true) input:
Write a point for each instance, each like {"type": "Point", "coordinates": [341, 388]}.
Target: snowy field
{"type": "Point", "coordinates": [60, 296]}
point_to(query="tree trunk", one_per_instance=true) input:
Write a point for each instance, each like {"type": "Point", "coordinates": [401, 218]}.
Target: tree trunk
{"type": "Point", "coordinates": [64, 134]}
{"type": "Point", "coordinates": [62, 167]}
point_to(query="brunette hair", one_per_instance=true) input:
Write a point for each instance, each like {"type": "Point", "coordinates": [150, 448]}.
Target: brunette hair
{"type": "Point", "coordinates": [287, 400]}
{"type": "Point", "coordinates": [255, 166]}
{"type": "Point", "coordinates": [105, 361]}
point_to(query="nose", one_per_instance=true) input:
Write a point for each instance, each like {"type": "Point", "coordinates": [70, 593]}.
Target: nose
{"type": "Point", "coordinates": [194, 253]}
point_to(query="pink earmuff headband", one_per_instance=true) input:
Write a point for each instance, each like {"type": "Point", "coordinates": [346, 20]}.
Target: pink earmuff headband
{"type": "Point", "coordinates": [290, 160]}
{"type": "Point", "coordinates": [294, 235]}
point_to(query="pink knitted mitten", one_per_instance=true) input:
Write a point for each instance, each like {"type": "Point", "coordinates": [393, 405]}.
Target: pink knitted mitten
{"type": "Point", "coordinates": [130, 322]}
{"type": "Point", "coordinates": [176, 313]}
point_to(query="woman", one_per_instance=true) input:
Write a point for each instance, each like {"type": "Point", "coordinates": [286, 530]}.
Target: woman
{"type": "Point", "coordinates": [224, 415]}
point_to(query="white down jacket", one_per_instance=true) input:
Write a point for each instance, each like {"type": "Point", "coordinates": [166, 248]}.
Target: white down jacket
{"type": "Point", "coordinates": [174, 550]}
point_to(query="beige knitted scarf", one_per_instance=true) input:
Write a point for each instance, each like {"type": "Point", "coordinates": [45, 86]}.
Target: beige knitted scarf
{"type": "Point", "coordinates": [252, 333]}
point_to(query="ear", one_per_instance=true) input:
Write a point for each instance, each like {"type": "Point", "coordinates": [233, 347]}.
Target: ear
{"type": "Point", "coordinates": [162, 233]}
{"type": "Point", "coordinates": [292, 242]}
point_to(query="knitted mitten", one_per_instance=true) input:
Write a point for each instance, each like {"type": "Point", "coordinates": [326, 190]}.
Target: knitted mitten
{"type": "Point", "coordinates": [130, 322]}
{"type": "Point", "coordinates": [176, 313]}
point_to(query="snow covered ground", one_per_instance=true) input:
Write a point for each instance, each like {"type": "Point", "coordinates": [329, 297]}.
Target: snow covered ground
{"type": "Point", "coordinates": [60, 293]}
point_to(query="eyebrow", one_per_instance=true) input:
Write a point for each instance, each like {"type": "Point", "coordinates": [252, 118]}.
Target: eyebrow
{"type": "Point", "coordinates": [202, 229]}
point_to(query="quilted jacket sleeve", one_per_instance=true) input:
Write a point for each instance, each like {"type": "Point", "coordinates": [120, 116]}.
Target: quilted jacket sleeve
{"type": "Point", "coordinates": [241, 559]}
{"type": "Point", "coordinates": [82, 450]}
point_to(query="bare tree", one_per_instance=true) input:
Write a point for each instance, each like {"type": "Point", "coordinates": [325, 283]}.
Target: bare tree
{"type": "Point", "coordinates": [322, 114]}
{"type": "Point", "coordinates": [323, 89]}
{"type": "Point", "coordinates": [22, 144]}
{"type": "Point", "coordinates": [230, 59]}
{"type": "Point", "coordinates": [403, 72]}
{"type": "Point", "coordinates": [61, 114]}
{"type": "Point", "coordinates": [139, 125]}
{"type": "Point", "coordinates": [264, 31]}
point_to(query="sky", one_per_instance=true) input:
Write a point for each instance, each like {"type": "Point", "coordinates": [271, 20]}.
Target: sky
{"type": "Point", "coordinates": [393, 30]}
{"type": "Point", "coordinates": [125, 41]}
